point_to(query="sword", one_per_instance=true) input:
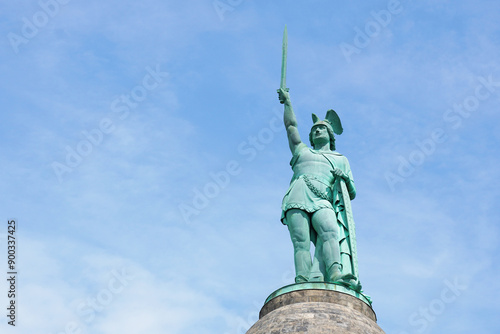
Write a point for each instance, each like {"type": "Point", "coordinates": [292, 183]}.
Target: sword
{"type": "Point", "coordinates": [350, 227]}
{"type": "Point", "coordinates": [283, 62]}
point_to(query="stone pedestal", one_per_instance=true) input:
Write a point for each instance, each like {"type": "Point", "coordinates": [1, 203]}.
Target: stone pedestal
{"type": "Point", "coordinates": [316, 312]}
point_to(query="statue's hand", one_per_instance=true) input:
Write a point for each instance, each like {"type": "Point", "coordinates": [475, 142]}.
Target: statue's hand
{"type": "Point", "coordinates": [284, 96]}
{"type": "Point", "coordinates": [339, 173]}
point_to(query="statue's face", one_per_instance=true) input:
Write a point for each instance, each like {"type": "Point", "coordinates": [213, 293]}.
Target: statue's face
{"type": "Point", "coordinates": [320, 134]}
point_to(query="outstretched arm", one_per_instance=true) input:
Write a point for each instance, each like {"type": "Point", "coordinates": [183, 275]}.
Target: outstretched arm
{"type": "Point", "coordinates": [290, 121]}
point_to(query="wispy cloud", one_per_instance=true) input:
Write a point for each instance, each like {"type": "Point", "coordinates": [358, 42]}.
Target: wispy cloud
{"type": "Point", "coordinates": [120, 207]}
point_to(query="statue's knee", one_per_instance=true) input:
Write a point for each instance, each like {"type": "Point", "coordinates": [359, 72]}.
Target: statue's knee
{"type": "Point", "coordinates": [299, 229]}
{"type": "Point", "coordinates": [301, 239]}
{"type": "Point", "coordinates": [328, 235]}
{"type": "Point", "coordinates": [301, 246]}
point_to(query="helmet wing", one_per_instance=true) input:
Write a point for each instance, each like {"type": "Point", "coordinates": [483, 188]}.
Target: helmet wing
{"type": "Point", "coordinates": [334, 119]}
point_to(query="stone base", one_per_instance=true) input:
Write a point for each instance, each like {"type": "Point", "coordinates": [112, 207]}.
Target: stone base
{"type": "Point", "coordinates": [316, 312]}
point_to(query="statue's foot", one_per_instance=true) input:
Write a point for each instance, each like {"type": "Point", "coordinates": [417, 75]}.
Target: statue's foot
{"type": "Point", "coordinates": [316, 279]}
{"type": "Point", "coordinates": [341, 278]}
{"type": "Point", "coordinates": [335, 275]}
{"type": "Point", "coordinates": [356, 286]}
{"type": "Point", "coordinates": [301, 279]}
{"type": "Point", "coordinates": [349, 281]}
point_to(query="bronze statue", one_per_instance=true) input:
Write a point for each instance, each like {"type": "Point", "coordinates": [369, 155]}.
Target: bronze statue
{"type": "Point", "coordinates": [316, 208]}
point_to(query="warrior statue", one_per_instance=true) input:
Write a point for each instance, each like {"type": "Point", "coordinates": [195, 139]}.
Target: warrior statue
{"type": "Point", "coordinates": [316, 208]}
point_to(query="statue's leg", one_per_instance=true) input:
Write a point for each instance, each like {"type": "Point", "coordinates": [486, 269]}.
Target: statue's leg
{"type": "Point", "coordinates": [317, 269]}
{"type": "Point", "coordinates": [325, 224]}
{"type": "Point", "coordinates": [298, 225]}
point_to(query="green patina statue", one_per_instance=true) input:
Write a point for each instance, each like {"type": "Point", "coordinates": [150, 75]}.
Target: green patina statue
{"type": "Point", "coordinates": [316, 208]}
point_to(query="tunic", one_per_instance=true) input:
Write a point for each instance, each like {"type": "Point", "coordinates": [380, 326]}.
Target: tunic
{"type": "Point", "coordinates": [311, 187]}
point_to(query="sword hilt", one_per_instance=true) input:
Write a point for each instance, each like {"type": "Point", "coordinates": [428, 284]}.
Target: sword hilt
{"type": "Point", "coordinates": [280, 94]}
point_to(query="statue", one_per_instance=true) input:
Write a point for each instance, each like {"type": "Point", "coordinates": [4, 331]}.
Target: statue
{"type": "Point", "coordinates": [316, 208]}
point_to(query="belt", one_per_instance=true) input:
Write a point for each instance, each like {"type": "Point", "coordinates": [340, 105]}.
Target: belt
{"type": "Point", "coordinates": [316, 191]}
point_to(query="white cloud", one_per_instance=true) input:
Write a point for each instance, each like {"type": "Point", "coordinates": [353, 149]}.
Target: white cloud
{"type": "Point", "coordinates": [119, 207]}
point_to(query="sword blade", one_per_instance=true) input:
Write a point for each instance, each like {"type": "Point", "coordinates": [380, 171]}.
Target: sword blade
{"type": "Point", "coordinates": [350, 227]}
{"type": "Point", "coordinates": [283, 59]}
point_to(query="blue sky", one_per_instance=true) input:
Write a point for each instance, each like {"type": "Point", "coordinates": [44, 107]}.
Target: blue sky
{"type": "Point", "coordinates": [144, 159]}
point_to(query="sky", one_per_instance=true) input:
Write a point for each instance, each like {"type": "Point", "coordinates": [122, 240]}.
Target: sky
{"type": "Point", "coordinates": [144, 159]}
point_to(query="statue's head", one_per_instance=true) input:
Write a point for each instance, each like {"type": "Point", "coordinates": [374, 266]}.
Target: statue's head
{"type": "Point", "coordinates": [322, 131]}
{"type": "Point", "coordinates": [328, 127]}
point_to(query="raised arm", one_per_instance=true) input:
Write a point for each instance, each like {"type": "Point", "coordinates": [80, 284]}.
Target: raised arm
{"type": "Point", "coordinates": [290, 121]}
